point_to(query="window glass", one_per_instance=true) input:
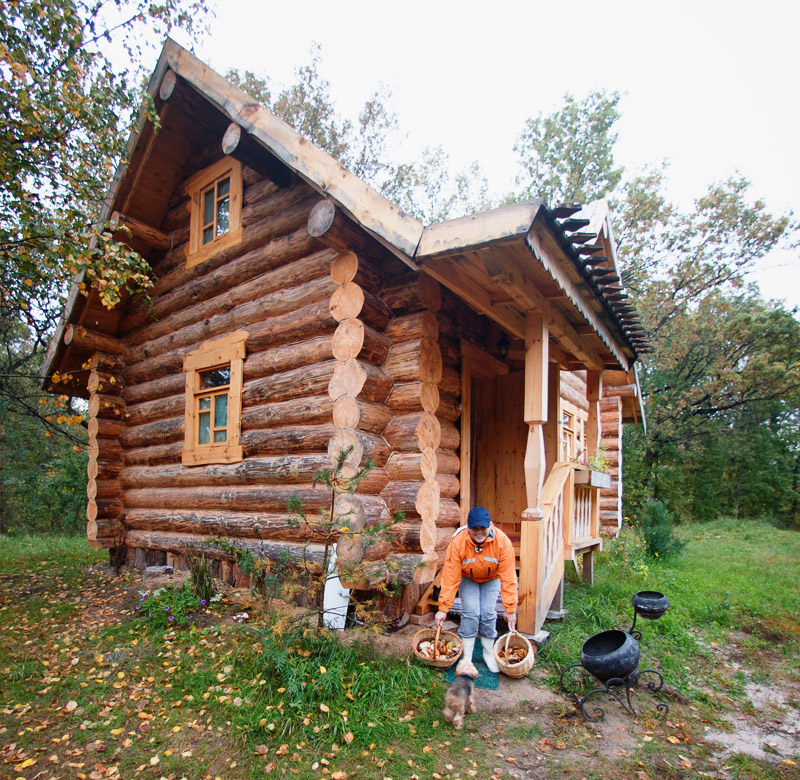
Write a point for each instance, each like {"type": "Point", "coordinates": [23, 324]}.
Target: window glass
{"type": "Point", "coordinates": [221, 411]}
{"type": "Point", "coordinates": [223, 216]}
{"type": "Point", "coordinates": [208, 207]}
{"type": "Point", "coordinates": [216, 377]}
{"type": "Point", "coordinates": [204, 426]}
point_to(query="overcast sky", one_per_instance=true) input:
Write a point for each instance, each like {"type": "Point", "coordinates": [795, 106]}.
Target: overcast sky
{"type": "Point", "coordinates": [709, 86]}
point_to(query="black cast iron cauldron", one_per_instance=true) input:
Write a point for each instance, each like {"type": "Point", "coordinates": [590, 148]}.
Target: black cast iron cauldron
{"type": "Point", "coordinates": [650, 604]}
{"type": "Point", "coordinates": [610, 654]}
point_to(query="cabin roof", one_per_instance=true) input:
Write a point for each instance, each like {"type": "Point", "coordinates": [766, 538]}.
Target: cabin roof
{"type": "Point", "coordinates": [525, 254]}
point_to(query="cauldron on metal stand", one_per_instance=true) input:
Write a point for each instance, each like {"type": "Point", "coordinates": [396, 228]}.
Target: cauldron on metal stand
{"type": "Point", "coordinates": [612, 658]}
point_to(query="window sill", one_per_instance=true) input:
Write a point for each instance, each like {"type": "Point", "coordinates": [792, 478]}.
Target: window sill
{"type": "Point", "coordinates": [214, 248]}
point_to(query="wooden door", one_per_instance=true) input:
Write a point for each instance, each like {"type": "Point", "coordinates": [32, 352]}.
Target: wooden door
{"type": "Point", "coordinates": [498, 439]}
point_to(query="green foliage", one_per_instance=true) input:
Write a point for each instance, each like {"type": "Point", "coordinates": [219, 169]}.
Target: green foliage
{"type": "Point", "coordinates": [200, 577]}
{"type": "Point", "coordinates": [171, 606]}
{"type": "Point", "coordinates": [568, 156]}
{"type": "Point", "coordinates": [306, 672]}
{"type": "Point", "coordinates": [43, 477]}
{"type": "Point", "coordinates": [424, 188]}
{"type": "Point", "coordinates": [657, 529]}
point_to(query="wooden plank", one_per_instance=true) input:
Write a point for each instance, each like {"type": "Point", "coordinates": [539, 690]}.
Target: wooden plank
{"type": "Point", "coordinates": [475, 294]}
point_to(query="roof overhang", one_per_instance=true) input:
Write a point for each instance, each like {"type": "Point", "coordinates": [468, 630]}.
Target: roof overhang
{"type": "Point", "coordinates": [509, 261]}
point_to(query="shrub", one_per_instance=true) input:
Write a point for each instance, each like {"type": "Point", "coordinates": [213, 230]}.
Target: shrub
{"type": "Point", "coordinates": [657, 529]}
{"type": "Point", "coordinates": [170, 606]}
{"type": "Point", "coordinates": [201, 579]}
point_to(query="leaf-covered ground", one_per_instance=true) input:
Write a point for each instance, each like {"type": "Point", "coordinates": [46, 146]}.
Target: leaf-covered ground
{"type": "Point", "coordinates": [89, 690]}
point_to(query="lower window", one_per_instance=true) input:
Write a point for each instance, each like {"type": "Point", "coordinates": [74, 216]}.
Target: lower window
{"type": "Point", "coordinates": [214, 401]}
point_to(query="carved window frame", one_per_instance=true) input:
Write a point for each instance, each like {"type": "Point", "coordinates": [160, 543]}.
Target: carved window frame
{"type": "Point", "coordinates": [227, 351]}
{"type": "Point", "coordinates": [197, 186]}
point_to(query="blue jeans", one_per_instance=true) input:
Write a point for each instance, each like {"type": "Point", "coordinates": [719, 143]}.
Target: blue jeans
{"type": "Point", "coordinates": [478, 608]}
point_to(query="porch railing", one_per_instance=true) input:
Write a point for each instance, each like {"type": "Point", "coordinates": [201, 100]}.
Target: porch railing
{"type": "Point", "coordinates": [542, 550]}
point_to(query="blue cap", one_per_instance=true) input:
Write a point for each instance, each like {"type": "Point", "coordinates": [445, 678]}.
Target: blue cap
{"type": "Point", "coordinates": [478, 518]}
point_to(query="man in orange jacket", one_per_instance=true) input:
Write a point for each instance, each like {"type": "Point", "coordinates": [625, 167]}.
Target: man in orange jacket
{"type": "Point", "coordinates": [479, 565]}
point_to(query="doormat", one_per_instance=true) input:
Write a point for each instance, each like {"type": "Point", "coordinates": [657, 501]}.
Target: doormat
{"type": "Point", "coordinates": [485, 678]}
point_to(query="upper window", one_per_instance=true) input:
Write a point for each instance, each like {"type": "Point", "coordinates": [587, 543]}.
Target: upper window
{"type": "Point", "coordinates": [214, 401]}
{"type": "Point", "coordinates": [216, 206]}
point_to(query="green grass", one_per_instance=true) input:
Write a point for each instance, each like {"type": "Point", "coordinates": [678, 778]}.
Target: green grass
{"type": "Point", "coordinates": [239, 701]}
{"type": "Point", "coordinates": [734, 576]}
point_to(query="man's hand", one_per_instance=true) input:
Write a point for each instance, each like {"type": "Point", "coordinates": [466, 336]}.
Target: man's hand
{"type": "Point", "coordinates": [511, 619]}
{"type": "Point", "coordinates": [439, 619]}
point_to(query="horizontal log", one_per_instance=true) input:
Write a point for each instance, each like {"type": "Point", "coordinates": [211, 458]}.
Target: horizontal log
{"type": "Point", "coordinates": [349, 412]}
{"type": "Point", "coordinates": [104, 449]}
{"type": "Point", "coordinates": [329, 225]}
{"type": "Point", "coordinates": [307, 381]}
{"type": "Point", "coordinates": [103, 468]}
{"type": "Point", "coordinates": [178, 544]}
{"type": "Point", "coordinates": [354, 339]}
{"type": "Point", "coordinates": [413, 568]}
{"type": "Point", "coordinates": [106, 406]}
{"type": "Point", "coordinates": [623, 391]}
{"type": "Point", "coordinates": [375, 480]}
{"type": "Point", "coordinates": [449, 485]}
{"type": "Point", "coordinates": [257, 525]}
{"type": "Point", "coordinates": [610, 443]}
{"type": "Point", "coordinates": [103, 508]}
{"type": "Point", "coordinates": [103, 488]}
{"type": "Point", "coordinates": [279, 469]}
{"type": "Point", "coordinates": [82, 337]}
{"type": "Point", "coordinates": [273, 304]}
{"type": "Point", "coordinates": [274, 242]}
{"type": "Point", "coordinates": [151, 456]}
{"type": "Point", "coordinates": [104, 382]}
{"type": "Point", "coordinates": [416, 466]}
{"type": "Point", "coordinates": [299, 325]}
{"type": "Point", "coordinates": [414, 397]}
{"type": "Point", "coordinates": [449, 408]}
{"type": "Point", "coordinates": [311, 411]}
{"type": "Point", "coordinates": [574, 379]}
{"type": "Point", "coordinates": [367, 446]}
{"type": "Point", "coordinates": [574, 397]}
{"type": "Point", "coordinates": [450, 436]}
{"type": "Point", "coordinates": [449, 513]}
{"type": "Point", "coordinates": [155, 390]}
{"type": "Point", "coordinates": [408, 327]}
{"type": "Point", "coordinates": [414, 361]}
{"type": "Point", "coordinates": [414, 432]}
{"type": "Point", "coordinates": [236, 498]}
{"type": "Point", "coordinates": [293, 274]}
{"type": "Point", "coordinates": [126, 225]}
{"type": "Point", "coordinates": [108, 531]}
{"type": "Point", "coordinates": [361, 380]}
{"type": "Point", "coordinates": [291, 439]}
{"type": "Point", "coordinates": [450, 381]}
{"type": "Point", "coordinates": [406, 536]}
{"type": "Point", "coordinates": [288, 356]}
{"type": "Point", "coordinates": [100, 428]}
{"type": "Point", "coordinates": [158, 432]}
{"type": "Point", "coordinates": [402, 496]}
{"type": "Point", "coordinates": [349, 267]}
{"type": "Point", "coordinates": [157, 409]}
{"type": "Point", "coordinates": [102, 361]}
{"type": "Point", "coordinates": [305, 323]}
{"type": "Point", "coordinates": [412, 292]}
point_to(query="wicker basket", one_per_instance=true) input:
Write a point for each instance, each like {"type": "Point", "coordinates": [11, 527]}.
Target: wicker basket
{"type": "Point", "coordinates": [434, 635]}
{"type": "Point", "coordinates": [510, 640]}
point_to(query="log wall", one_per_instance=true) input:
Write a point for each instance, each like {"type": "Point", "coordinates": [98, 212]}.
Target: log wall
{"type": "Point", "coordinates": [279, 286]}
{"type": "Point", "coordinates": [611, 442]}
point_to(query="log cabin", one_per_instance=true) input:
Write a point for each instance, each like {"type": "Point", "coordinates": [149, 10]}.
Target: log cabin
{"type": "Point", "coordinates": [295, 312]}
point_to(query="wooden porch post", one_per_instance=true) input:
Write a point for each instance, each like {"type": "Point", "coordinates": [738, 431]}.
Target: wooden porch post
{"type": "Point", "coordinates": [532, 530]}
{"type": "Point", "coordinates": [594, 389]}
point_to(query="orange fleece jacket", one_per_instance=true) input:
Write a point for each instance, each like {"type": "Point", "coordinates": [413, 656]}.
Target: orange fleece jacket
{"type": "Point", "coordinates": [496, 559]}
